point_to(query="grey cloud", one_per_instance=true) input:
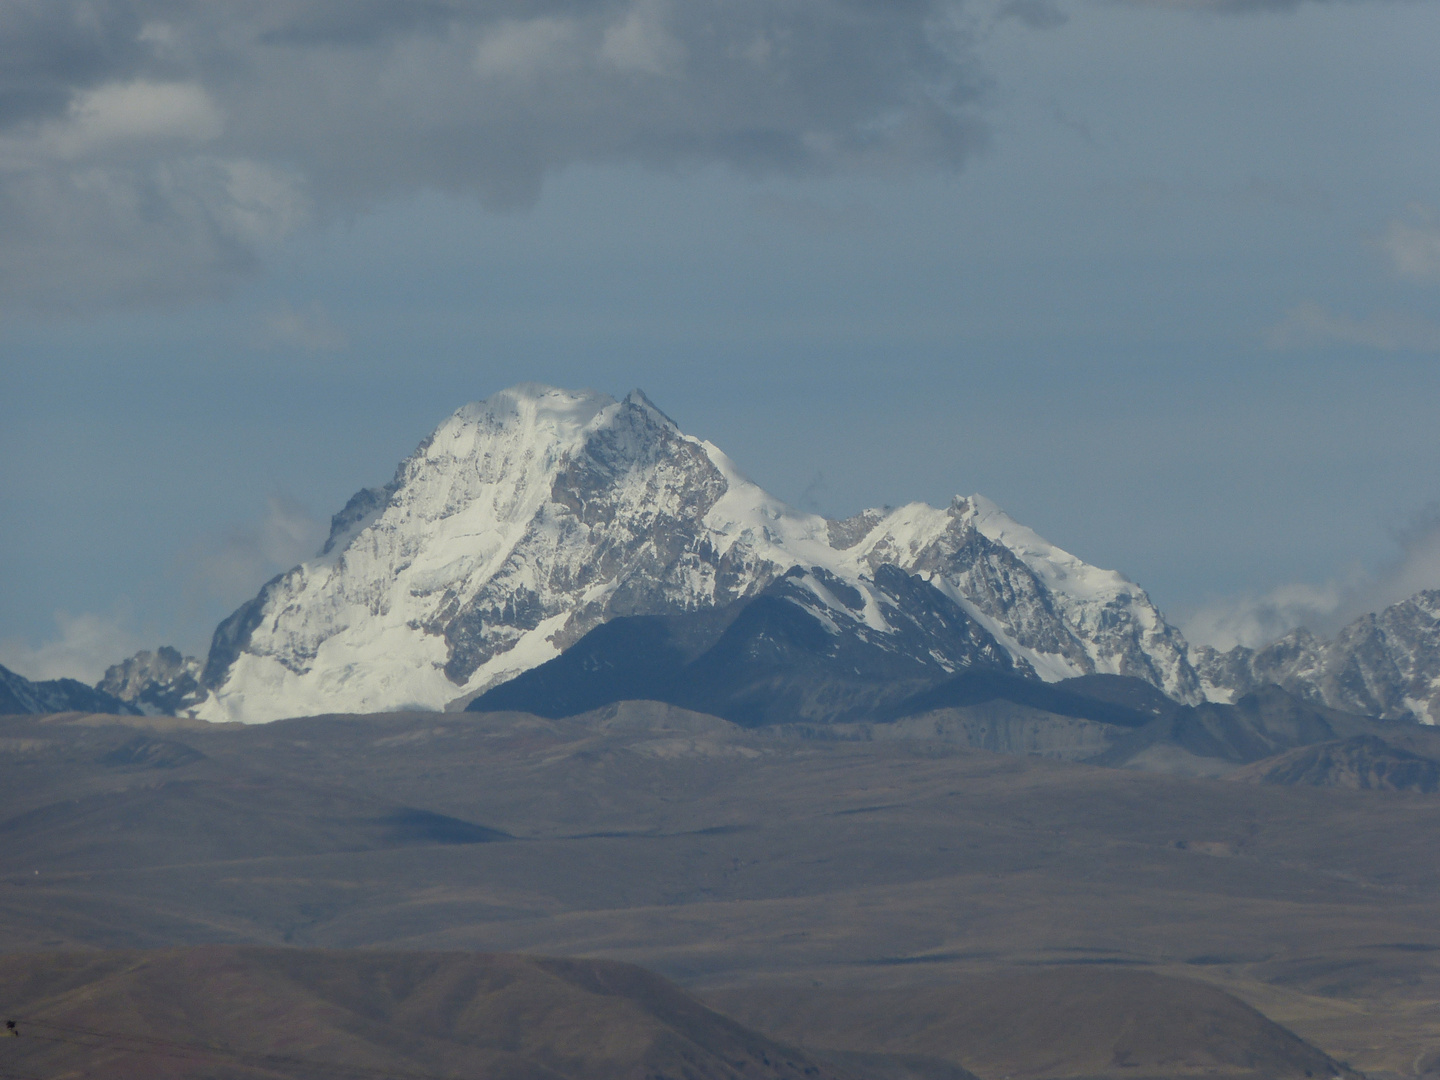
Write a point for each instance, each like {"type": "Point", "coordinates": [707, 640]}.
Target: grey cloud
{"type": "Point", "coordinates": [50, 50]}
{"type": "Point", "coordinates": [229, 567]}
{"type": "Point", "coordinates": [83, 647]}
{"type": "Point", "coordinates": [350, 23]}
{"type": "Point", "coordinates": [128, 123]}
{"type": "Point", "coordinates": [495, 103]}
{"type": "Point", "coordinates": [1232, 7]}
{"type": "Point", "coordinates": [1036, 14]}
{"type": "Point", "coordinates": [1413, 244]}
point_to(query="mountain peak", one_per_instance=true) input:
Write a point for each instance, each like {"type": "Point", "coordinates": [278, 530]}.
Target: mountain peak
{"type": "Point", "coordinates": [533, 408]}
{"type": "Point", "coordinates": [531, 517]}
{"type": "Point", "coordinates": [639, 400]}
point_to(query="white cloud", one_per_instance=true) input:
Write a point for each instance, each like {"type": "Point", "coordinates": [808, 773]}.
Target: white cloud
{"type": "Point", "coordinates": [77, 233]}
{"type": "Point", "coordinates": [640, 43]}
{"type": "Point", "coordinates": [525, 49]}
{"type": "Point", "coordinates": [1309, 325]}
{"type": "Point", "coordinates": [231, 566]}
{"type": "Point", "coordinates": [309, 328]}
{"type": "Point", "coordinates": [289, 533]}
{"type": "Point", "coordinates": [1258, 620]}
{"type": "Point", "coordinates": [86, 645]}
{"type": "Point", "coordinates": [1414, 245]}
{"type": "Point", "coordinates": [1417, 566]}
{"type": "Point", "coordinates": [1324, 609]}
{"type": "Point", "coordinates": [140, 111]}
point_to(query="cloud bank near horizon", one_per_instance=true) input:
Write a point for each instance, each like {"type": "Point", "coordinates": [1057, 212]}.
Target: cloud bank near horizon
{"type": "Point", "coordinates": [1325, 608]}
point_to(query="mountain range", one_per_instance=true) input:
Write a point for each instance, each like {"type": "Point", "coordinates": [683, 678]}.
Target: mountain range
{"type": "Point", "coordinates": [528, 522]}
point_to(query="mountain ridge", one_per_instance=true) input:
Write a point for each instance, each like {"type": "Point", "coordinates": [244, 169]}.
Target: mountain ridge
{"type": "Point", "coordinates": [1384, 663]}
{"type": "Point", "coordinates": [19, 695]}
{"type": "Point", "coordinates": [526, 520]}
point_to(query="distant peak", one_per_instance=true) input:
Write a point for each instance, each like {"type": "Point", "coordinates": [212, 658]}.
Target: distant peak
{"type": "Point", "coordinates": [541, 396]}
{"type": "Point", "coordinates": [538, 402]}
{"type": "Point", "coordinates": [638, 399]}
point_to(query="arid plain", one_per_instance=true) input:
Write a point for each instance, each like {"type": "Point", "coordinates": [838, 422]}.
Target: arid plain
{"type": "Point", "coordinates": [750, 868]}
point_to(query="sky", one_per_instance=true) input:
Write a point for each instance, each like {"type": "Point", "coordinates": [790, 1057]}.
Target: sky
{"type": "Point", "coordinates": [1161, 279]}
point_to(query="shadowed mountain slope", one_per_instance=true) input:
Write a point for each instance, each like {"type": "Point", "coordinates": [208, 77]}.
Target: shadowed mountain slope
{"type": "Point", "coordinates": [1077, 698]}
{"type": "Point", "coordinates": [235, 1013]}
{"type": "Point", "coordinates": [810, 647]}
{"type": "Point", "coordinates": [1264, 722]}
{"type": "Point", "coordinates": [1363, 763]}
{"type": "Point", "coordinates": [782, 660]}
{"type": "Point", "coordinates": [21, 695]}
{"type": "Point", "coordinates": [1044, 1025]}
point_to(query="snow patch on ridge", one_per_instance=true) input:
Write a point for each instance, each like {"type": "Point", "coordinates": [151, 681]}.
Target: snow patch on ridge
{"type": "Point", "coordinates": [748, 514]}
{"type": "Point", "coordinates": [1051, 667]}
{"type": "Point", "coordinates": [1062, 572]}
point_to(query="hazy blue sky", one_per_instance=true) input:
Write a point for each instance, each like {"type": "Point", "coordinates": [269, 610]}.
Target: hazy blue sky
{"type": "Point", "coordinates": [1163, 280]}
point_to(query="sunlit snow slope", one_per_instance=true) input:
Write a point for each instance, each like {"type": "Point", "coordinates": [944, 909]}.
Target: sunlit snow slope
{"type": "Point", "coordinates": [527, 519]}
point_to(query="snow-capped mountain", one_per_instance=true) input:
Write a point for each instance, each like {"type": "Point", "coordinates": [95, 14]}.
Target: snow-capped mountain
{"type": "Point", "coordinates": [162, 683]}
{"type": "Point", "coordinates": [21, 695]}
{"type": "Point", "coordinates": [1061, 615]}
{"type": "Point", "coordinates": [528, 519]}
{"type": "Point", "coordinates": [1385, 664]}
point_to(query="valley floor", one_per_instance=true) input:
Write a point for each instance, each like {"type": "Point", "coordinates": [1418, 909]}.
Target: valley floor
{"type": "Point", "coordinates": [738, 864]}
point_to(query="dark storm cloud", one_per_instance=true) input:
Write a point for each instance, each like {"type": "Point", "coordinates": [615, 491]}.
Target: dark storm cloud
{"type": "Point", "coordinates": [1234, 7]}
{"type": "Point", "coordinates": [49, 50]}
{"type": "Point", "coordinates": [179, 138]}
{"type": "Point", "coordinates": [490, 99]}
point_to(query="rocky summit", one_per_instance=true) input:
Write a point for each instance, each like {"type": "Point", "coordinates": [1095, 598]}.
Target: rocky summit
{"type": "Point", "coordinates": [1384, 664]}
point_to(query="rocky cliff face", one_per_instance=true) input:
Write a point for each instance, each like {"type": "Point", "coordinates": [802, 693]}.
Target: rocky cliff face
{"type": "Point", "coordinates": [162, 683]}
{"type": "Point", "coordinates": [1063, 616]}
{"type": "Point", "coordinates": [1385, 664]}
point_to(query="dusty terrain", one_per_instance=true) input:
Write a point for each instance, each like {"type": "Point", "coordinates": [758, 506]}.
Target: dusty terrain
{"type": "Point", "coordinates": [725, 859]}
{"type": "Point", "coordinates": [1046, 1022]}
{"type": "Point", "coordinates": [245, 1013]}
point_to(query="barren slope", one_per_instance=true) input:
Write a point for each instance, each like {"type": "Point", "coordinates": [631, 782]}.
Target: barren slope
{"type": "Point", "coordinates": [225, 1012]}
{"type": "Point", "coordinates": [718, 856]}
{"type": "Point", "coordinates": [1076, 1021]}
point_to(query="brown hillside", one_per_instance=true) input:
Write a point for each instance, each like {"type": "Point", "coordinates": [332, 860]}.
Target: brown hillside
{"type": "Point", "coordinates": [720, 857]}
{"type": "Point", "coordinates": [1080, 1021]}
{"type": "Point", "coordinates": [242, 1013]}
{"type": "Point", "coordinates": [1362, 763]}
